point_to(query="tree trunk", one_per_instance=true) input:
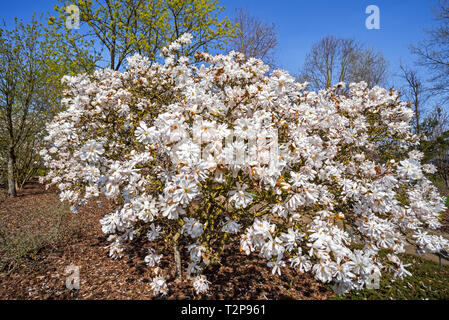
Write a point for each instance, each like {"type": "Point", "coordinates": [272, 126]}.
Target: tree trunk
{"type": "Point", "coordinates": [12, 191]}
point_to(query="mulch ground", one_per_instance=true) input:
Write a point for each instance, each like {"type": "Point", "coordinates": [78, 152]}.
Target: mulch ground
{"type": "Point", "coordinates": [43, 275]}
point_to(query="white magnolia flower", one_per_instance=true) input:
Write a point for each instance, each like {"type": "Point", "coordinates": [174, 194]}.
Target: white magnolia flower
{"type": "Point", "coordinates": [276, 265]}
{"type": "Point", "coordinates": [192, 227]}
{"type": "Point", "coordinates": [159, 286]}
{"type": "Point", "coordinates": [240, 197]}
{"type": "Point", "coordinates": [153, 259]}
{"type": "Point", "coordinates": [146, 135]}
{"type": "Point", "coordinates": [91, 151]}
{"type": "Point", "coordinates": [154, 232]}
{"type": "Point", "coordinates": [201, 284]}
{"type": "Point", "coordinates": [231, 226]}
{"type": "Point", "coordinates": [410, 168]}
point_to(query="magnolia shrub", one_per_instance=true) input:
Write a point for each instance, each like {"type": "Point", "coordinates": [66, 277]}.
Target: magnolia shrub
{"type": "Point", "coordinates": [213, 151]}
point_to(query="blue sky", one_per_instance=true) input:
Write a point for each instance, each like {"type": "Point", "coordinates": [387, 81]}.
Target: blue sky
{"type": "Point", "coordinates": [300, 23]}
{"type": "Point", "coordinates": [303, 22]}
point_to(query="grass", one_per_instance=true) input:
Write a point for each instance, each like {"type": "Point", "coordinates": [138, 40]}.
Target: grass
{"type": "Point", "coordinates": [428, 281]}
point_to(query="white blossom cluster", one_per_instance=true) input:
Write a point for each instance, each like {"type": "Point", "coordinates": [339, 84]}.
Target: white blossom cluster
{"type": "Point", "coordinates": [217, 150]}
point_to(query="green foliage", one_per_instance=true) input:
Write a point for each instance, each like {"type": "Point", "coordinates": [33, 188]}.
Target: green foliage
{"type": "Point", "coordinates": [124, 27]}
{"type": "Point", "coordinates": [201, 19]}
{"type": "Point", "coordinates": [436, 145]}
{"type": "Point", "coordinates": [33, 59]}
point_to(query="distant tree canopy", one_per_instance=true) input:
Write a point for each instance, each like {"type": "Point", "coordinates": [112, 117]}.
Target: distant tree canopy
{"type": "Point", "coordinates": [416, 93]}
{"type": "Point", "coordinates": [433, 53]}
{"type": "Point", "coordinates": [121, 28]}
{"type": "Point", "coordinates": [333, 60]}
{"type": "Point", "coordinates": [33, 59]}
{"type": "Point", "coordinates": [436, 144]}
{"type": "Point", "coordinates": [255, 37]}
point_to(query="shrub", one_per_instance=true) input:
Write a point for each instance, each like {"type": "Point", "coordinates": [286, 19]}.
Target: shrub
{"type": "Point", "coordinates": [45, 228]}
{"type": "Point", "coordinates": [211, 151]}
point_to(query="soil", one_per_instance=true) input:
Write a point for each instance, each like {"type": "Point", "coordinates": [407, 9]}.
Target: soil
{"type": "Point", "coordinates": [44, 275]}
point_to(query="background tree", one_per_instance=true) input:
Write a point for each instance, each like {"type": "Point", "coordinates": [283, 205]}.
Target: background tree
{"type": "Point", "coordinates": [436, 146]}
{"type": "Point", "coordinates": [124, 27]}
{"type": "Point", "coordinates": [254, 37]}
{"type": "Point", "coordinates": [200, 18]}
{"type": "Point", "coordinates": [416, 93]}
{"type": "Point", "coordinates": [333, 60]}
{"type": "Point", "coordinates": [432, 128]}
{"type": "Point", "coordinates": [32, 64]}
{"type": "Point", "coordinates": [433, 53]}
